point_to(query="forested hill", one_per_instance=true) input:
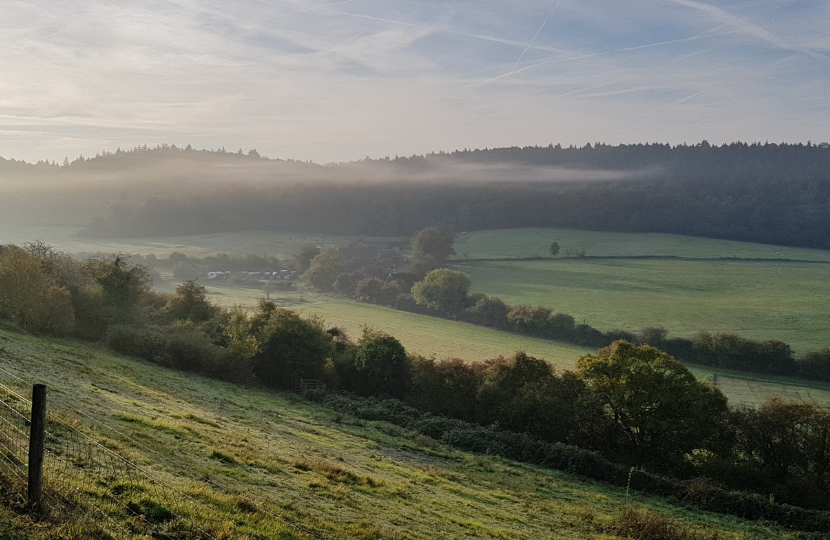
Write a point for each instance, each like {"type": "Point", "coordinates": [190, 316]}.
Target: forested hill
{"type": "Point", "coordinates": [773, 193]}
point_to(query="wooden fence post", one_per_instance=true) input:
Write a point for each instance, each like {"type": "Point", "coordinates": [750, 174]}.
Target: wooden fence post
{"type": "Point", "coordinates": [37, 445]}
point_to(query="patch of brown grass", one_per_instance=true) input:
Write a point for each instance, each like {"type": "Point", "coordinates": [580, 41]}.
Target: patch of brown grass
{"type": "Point", "coordinates": [644, 525]}
{"type": "Point", "coordinates": [335, 473]}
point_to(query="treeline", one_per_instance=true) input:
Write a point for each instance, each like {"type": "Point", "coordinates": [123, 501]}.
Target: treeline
{"type": "Point", "coordinates": [767, 193]}
{"type": "Point", "coordinates": [634, 405]}
{"type": "Point", "coordinates": [138, 156]}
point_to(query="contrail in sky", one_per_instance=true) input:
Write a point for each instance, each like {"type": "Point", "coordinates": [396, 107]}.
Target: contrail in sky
{"type": "Point", "coordinates": [529, 45]}
{"type": "Point", "coordinates": [312, 9]}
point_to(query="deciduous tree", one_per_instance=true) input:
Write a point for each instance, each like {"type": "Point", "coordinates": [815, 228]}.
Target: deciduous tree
{"type": "Point", "coordinates": [443, 290]}
{"type": "Point", "coordinates": [663, 412]}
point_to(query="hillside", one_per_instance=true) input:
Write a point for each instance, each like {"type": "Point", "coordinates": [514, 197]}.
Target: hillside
{"type": "Point", "coordinates": [760, 192]}
{"type": "Point", "coordinates": [265, 464]}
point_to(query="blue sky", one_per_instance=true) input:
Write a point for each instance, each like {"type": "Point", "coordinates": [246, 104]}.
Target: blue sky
{"type": "Point", "coordinates": [333, 80]}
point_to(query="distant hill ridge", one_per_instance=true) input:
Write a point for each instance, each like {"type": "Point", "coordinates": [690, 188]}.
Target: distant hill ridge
{"type": "Point", "coordinates": [770, 193]}
{"type": "Point", "coordinates": [599, 155]}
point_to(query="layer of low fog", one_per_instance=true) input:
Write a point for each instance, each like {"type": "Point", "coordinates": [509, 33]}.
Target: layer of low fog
{"type": "Point", "coordinates": [76, 192]}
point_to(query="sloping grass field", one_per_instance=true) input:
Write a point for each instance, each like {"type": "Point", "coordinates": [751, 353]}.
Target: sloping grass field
{"type": "Point", "coordinates": [247, 456]}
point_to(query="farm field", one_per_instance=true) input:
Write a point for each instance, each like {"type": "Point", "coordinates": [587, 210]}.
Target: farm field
{"type": "Point", "coordinates": [420, 334]}
{"type": "Point", "coordinates": [337, 476]}
{"type": "Point", "coordinates": [753, 389]}
{"type": "Point", "coordinates": [534, 242]}
{"type": "Point", "coordinates": [787, 301]}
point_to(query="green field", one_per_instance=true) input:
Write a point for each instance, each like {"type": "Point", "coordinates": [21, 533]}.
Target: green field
{"type": "Point", "coordinates": [341, 477]}
{"type": "Point", "coordinates": [518, 243]}
{"type": "Point", "coordinates": [421, 334]}
{"type": "Point", "coordinates": [788, 301]}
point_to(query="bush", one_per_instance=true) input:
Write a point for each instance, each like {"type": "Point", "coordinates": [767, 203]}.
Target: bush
{"type": "Point", "coordinates": [146, 343]}
{"type": "Point", "coordinates": [292, 348]}
{"type": "Point", "coordinates": [490, 311]}
{"type": "Point", "coordinates": [406, 302]}
{"type": "Point", "coordinates": [815, 366]}
{"type": "Point", "coordinates": [185, 348]}
{"type": "Point", "coordinates": [734, 352]}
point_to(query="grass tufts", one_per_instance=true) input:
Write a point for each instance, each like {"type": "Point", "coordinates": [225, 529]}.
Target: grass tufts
{"type": "Point", "coordinates": [644, 525]}
{"type": "Point", "coordinates": [224, 458]}
{"type": "Point", "coordinates": [335, 473]}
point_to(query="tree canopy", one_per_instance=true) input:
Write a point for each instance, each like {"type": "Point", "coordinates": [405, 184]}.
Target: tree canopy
{"type": "Point", "coordinates": [443, 290]}
{"type": "Point", "coordinates": [433, 242]}
{"type": "Point", "coordinates": [291, 348]}
{"type": "Point", "coordinates": [662, 411]}
{"type": "Point", "coordinates": [324, 269]}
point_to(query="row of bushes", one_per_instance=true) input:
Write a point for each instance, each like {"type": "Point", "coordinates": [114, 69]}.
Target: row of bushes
{"type": "Point", "coordinates": [184, 348]}
{"type": "Point", "coordinates": [571, 459]}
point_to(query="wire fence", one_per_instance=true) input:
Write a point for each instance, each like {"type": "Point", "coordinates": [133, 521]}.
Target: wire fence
{"type": "Point", "coordinates": [92, 485]}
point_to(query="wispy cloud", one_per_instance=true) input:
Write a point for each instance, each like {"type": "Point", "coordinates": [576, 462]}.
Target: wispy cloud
{"type": "Point", "coordinates": [722, 16]}
{"type": "Point", "coordinates": [337, 80]}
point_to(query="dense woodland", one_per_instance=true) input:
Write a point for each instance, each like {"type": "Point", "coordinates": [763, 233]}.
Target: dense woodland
{"type": "Point", "coordinates": [770, 193]}
{"type": "Point", "coordinates": [627, 408]}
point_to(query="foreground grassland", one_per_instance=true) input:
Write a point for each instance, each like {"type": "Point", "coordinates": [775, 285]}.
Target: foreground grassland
{"type": "Point", "coordinates": [338, 476]}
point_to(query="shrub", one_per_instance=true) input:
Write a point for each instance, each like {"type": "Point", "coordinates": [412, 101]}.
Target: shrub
{"type": "Point", "coordinates": [815, 365]}
{"type": "Point", "coordinates": [291, 348]}
{"type": "Point", "coordinates": [382, 365]}
{"type": "Point", "coordinates": [490, 311]}
{"type": "Point", "coordinates": [529, 320]}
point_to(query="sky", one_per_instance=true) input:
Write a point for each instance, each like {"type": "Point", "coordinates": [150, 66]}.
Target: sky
{"type": "Point", "coordinates": [338, 80]}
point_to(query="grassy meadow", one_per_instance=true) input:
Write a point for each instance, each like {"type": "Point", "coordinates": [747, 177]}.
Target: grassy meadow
{"type": "Point", "coordinates": [340, 477]}
{"type": "Point", "coordinates": [421, 334]}
{"type": "Point", "coordinates": [788, 301]}
{"type": "Point", "coordinates": [534, 242]}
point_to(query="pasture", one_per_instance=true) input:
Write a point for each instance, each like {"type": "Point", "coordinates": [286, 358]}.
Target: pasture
{"type": "Point", "coordinates": [420, 334]}
{"type": "Point", "coordinates": [787, 301]}
{"type": "Point", "coordinates": [341, 477]}
{"type": "Point", "coordinates": [534, 242]}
